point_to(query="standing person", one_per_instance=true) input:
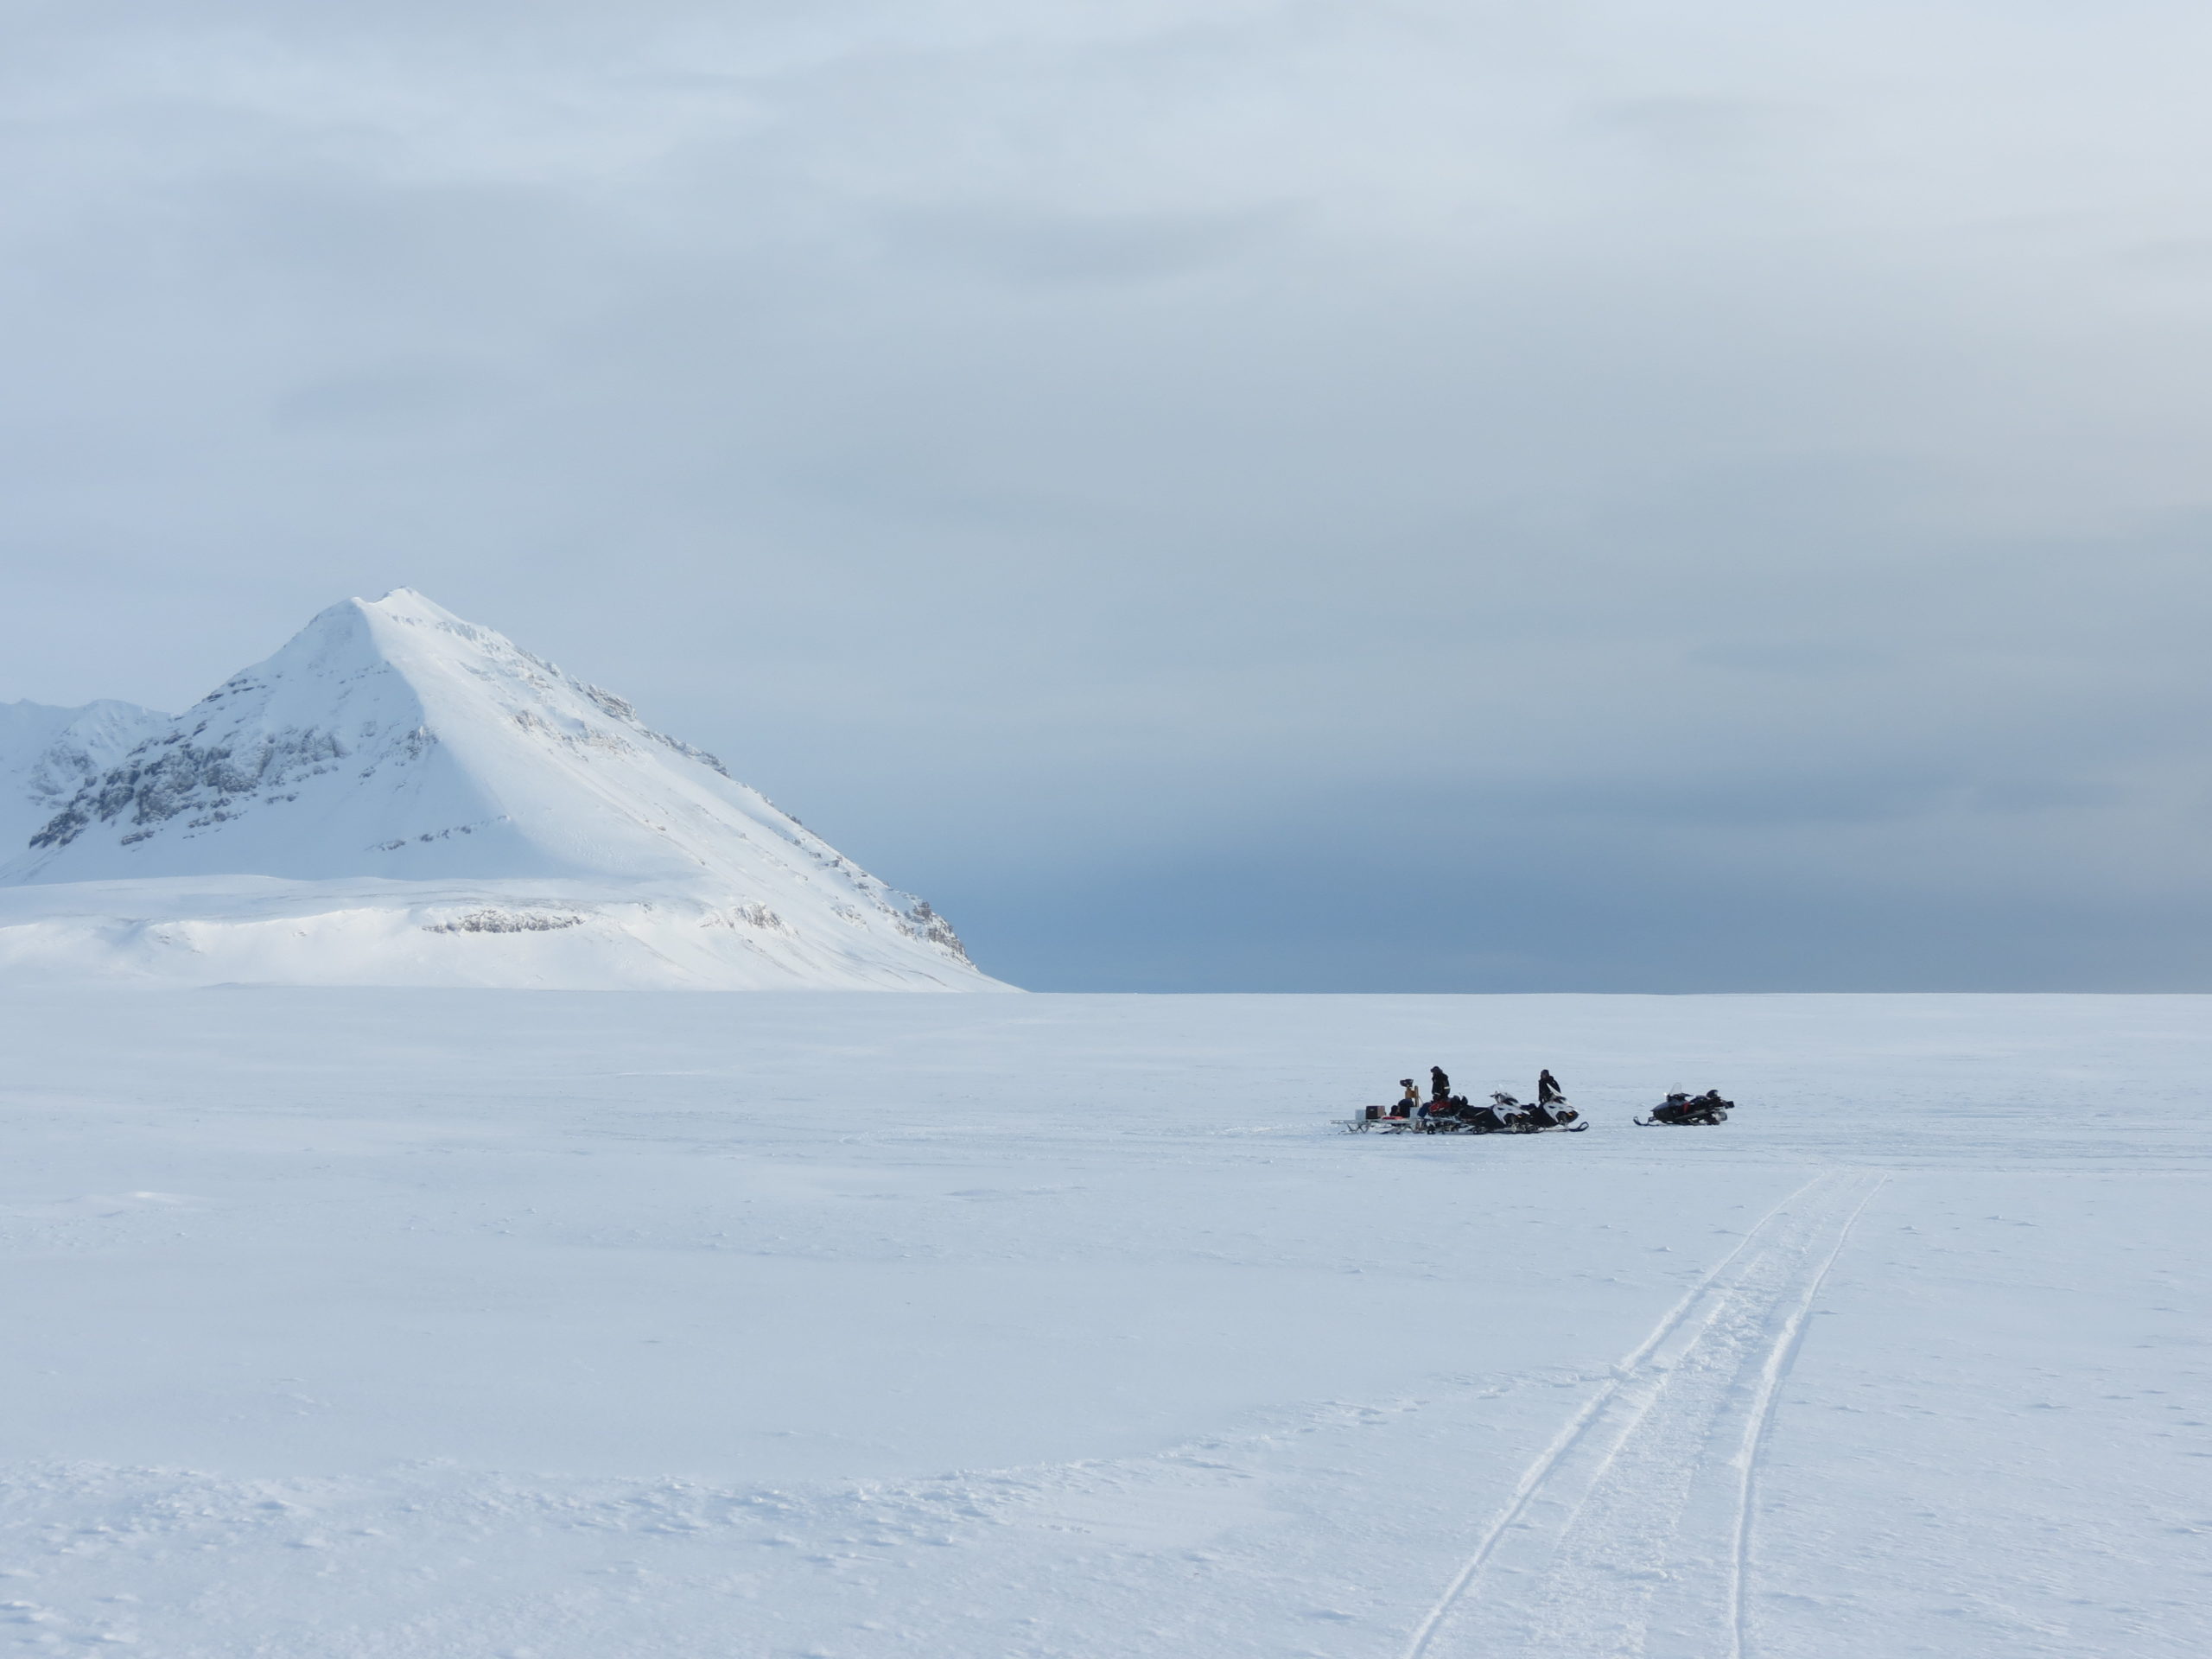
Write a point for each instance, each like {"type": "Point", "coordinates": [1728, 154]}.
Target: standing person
{"type": "Point", "coordinates": [1439, 1086]}
{"type": "Point", "coordinates": [1548, 1089]}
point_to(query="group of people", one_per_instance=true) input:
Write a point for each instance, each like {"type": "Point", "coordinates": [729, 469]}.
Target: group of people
{"type": "Point", "coordinates": [1443, 1111]}
{"type": "Point", "coordinates": [1549, 1111]}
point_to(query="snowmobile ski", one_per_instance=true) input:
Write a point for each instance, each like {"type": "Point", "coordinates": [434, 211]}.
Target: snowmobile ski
{"type": "Point", "coordinates": [1451, 1126]}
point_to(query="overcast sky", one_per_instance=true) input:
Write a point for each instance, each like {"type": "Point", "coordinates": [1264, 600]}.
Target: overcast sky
{"type": "Point", "coordinates": [1358, 494]}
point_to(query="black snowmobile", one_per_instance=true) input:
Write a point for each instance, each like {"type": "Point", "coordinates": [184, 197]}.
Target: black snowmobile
{"type": "Point", "coordinates": [1708, 1108]}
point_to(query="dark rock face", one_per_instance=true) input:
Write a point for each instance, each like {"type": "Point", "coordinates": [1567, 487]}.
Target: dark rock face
{"type": "Point", "coordinates": [164, 779]}
{"type": "Point", "coordinates": [922, 922]}
{"type": "Point", "coordinates": [507, 921]}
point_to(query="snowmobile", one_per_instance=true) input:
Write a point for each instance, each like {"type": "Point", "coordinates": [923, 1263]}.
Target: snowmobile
{"type": "Point", "coordinates": [1708, 1108]}
{"type": "Point", "coordinates": [1534, 1118]}
{"type": "Point", "coordinates": [1454, 1115]}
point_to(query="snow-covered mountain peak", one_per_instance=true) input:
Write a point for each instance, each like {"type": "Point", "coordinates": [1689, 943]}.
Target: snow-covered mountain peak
{"type": "Point", "coordinates": [390, 740]}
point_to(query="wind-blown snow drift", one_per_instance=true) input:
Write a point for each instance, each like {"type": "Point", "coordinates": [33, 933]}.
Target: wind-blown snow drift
{"type": "Point", "coordinates": [398, 797]}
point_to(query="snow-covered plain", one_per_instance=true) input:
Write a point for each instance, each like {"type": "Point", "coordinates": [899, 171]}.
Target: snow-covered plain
{"type": "Point", "coordinates": [585, 1326]}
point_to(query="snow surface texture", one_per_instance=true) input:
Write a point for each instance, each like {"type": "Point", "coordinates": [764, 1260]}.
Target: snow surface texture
{"type": "Point", "coordinates": [395, 1325]}
{"type": "Point", "coordinates": [398, 797]}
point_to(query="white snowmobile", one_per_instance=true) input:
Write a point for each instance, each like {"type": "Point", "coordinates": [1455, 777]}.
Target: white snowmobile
{"type": "Point", "coordinates": [1534, 1118]}
{"type": "Point", "coordinates": [1503, 1116]}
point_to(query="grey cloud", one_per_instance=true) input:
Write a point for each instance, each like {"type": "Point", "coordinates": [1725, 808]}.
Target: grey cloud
{"type": "Point", "coordinates": [1058, 246]}
{"type": "Point", "coordinates": [1704, 128]}
{"type": "Point", "coordinates": [1431, 492]}
{"type": "Point", "coordinates": [394, 394]}
{"type": "Point", "coordinates": [1786, 656]}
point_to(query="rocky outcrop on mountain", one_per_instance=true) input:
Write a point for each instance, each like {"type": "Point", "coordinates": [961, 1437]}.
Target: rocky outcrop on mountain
{"type": "Point", "coordinates": [48, 755]}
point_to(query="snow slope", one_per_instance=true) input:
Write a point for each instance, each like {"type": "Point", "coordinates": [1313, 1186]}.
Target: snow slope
{"type": "Point", "coordinates": [401, 796]}
{"type": "Point", "coordinates": [47, 754]}
{"type": "Point", "coordinates": [401, 1325]}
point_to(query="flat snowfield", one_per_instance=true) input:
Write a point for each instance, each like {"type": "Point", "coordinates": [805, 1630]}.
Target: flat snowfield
{"type": "Point", "coordinates": [558, 1325]}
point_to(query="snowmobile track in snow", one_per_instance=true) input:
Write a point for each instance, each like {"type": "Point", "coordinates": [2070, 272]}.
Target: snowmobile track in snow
{"type": "Point", "coordinates": [1632, 1534]}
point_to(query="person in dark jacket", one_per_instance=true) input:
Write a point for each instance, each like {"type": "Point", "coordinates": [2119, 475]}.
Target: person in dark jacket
{"type": "Point", "coordinates": [1439, 1086]}
{"type": "Point", "coordinates": [1548, 1089]}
